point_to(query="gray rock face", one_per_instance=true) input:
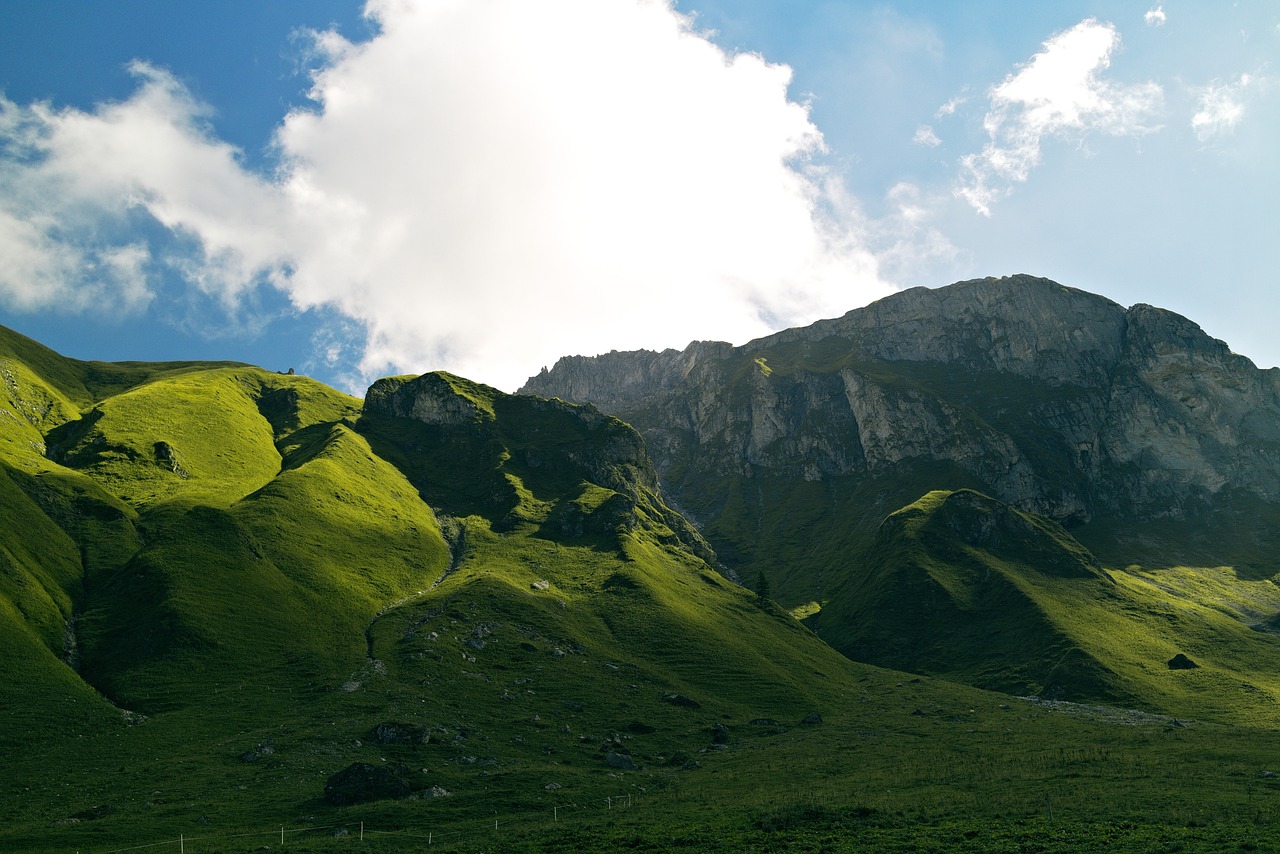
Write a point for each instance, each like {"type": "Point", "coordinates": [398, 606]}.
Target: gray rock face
{"type": "Point", "coordinates": [1048, 398]}
{"type": "Point", "coordinates": [428, 398]}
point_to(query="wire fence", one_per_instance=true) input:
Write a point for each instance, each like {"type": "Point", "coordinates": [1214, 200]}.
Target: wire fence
{"type": "Point", "coordinates": [364, 831]}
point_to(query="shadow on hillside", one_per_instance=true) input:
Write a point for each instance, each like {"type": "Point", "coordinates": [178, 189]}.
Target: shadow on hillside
{"type": "Point", "coordinates": [454, 470]}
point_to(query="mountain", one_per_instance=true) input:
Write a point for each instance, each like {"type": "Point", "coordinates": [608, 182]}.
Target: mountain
{"type": "Point", "coordinates": [221, 579]}
{"type": "Point", "coordinates": [241, 609]}
{"type": "Point", "coordinates": [797, 454]}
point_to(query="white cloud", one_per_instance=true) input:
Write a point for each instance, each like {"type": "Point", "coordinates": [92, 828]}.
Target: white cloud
{"type": "Point", "coordinates": [1060, 93]}
{"type": "Point", "coordinates": [1155, 17]}
{"type": "Point", "coordinates": [908, 243]}
{"type": "Point", "coordinates": [75, 185]}
{"type": "Point", "coordinates": [484, 187]}
{"type": "Point", "coordinates": [1220, 107]}
{"type": "Point", "coordinates": [951, 106]}
{"type": "Point", "coordinates": [925, 135]}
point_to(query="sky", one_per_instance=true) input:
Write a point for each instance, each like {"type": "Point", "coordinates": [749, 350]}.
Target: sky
{"type": "Point", "coordinates": [356, 190]}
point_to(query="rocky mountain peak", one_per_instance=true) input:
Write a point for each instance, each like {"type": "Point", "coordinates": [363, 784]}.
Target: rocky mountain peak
{"type": "Point", "coordinates": [436, 398]}
{"type": "Point", "coordinates": [1052, 399]}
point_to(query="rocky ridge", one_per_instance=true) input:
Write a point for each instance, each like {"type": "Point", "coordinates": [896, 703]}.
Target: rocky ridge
{"type": "Point", "coordinates": [1049, 398]}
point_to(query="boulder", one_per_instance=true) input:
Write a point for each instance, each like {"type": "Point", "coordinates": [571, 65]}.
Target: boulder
{"type": "Point", "coordinates": [621, 761]}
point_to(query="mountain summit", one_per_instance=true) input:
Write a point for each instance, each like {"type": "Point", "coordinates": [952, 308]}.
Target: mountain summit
{"type": "Point", "coordinates": [1049, 398]}
{"type": "Point", "coordinates": [1153, 444]}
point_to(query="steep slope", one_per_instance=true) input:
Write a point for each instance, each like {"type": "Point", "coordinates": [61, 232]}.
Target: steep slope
{"type": "Point", "coordinates": [1152, 443]}
{"type": "Point", "coordinates": [962, 586]}
{"type": "Point", "coordinates": [958, 584]}
{"type": "Point", "coordinates": [1057, 401]}
{"type": "Point", "coordinates": [216, 562]}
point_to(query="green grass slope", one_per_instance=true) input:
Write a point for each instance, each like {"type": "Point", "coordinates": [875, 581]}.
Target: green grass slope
{"type": "Point", "coordinates": [289, 574]}
{"type": "Point", "coordinates": [486, 598]}
{"type": "Point", "coordinates": [962, 586]}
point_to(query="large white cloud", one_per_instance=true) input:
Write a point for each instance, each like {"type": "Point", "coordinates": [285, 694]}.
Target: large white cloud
{"type": "Point", "coordinates": [1061, 93]}
{"type": "Point", "coordinates": [485, 186]}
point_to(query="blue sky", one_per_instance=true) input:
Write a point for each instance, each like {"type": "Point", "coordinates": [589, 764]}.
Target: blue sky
{"type": "Point", "coordinates": [485, 186]}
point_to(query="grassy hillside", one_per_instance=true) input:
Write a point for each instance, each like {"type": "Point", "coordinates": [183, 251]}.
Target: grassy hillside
{"type": "Point", "coordinates": [216, 561]}
{"type": "Point", "coordinates": [961, 586]}
{"type": "Point", "coordinates": [223, 586]}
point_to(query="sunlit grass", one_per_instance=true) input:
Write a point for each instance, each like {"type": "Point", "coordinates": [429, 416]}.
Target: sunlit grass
{"type": "Point", "coordinates": [519, 589]}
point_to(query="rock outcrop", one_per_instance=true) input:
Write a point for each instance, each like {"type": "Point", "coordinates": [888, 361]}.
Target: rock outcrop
{"type": "Point", "coordinates": [594, 467]}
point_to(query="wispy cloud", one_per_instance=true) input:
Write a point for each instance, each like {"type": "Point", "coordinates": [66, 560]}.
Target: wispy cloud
{"type": "Point", "coordinates": [1220, 107]}
{"type": "Point", "coordinates": [1060, 93]}
{"type": "Point", "coordinates": [925, 135]}
{"type": "Point", "coordinates": [1155, 16]}
{"type": "Point", "coordinates": [951, 106]}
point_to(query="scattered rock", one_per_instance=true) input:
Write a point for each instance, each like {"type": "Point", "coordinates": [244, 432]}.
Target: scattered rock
{"type": "Point", "coordinates": [621, 761]}
{"type": "Point", "coordinates": [551, 787]}
{"type": "Point", "coordinates": [361, 782]}
{"type": "Point", "coordinates": [168, 457]}
{"type": "Point", "coordinates": [340, 832]}
{"type": "Point", "coordinates": [719, 734]}
{"type": "Point", "coordinates": [1181, 662]}
{"type": "Point", "coordinates": [438, 792]}
{"type": "Point", "coordinates": [540, 584]}
{"type": "Point", "coordinates": [266, 747]}
{"type": "Point", "coordinates": [682, 701]}
{"type": "Point", "coordinates": [1269, 774]}
{"type": "Point", "coordinates": [810, 720]}
{"type": "Point", "coordinates": [390, 732]}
